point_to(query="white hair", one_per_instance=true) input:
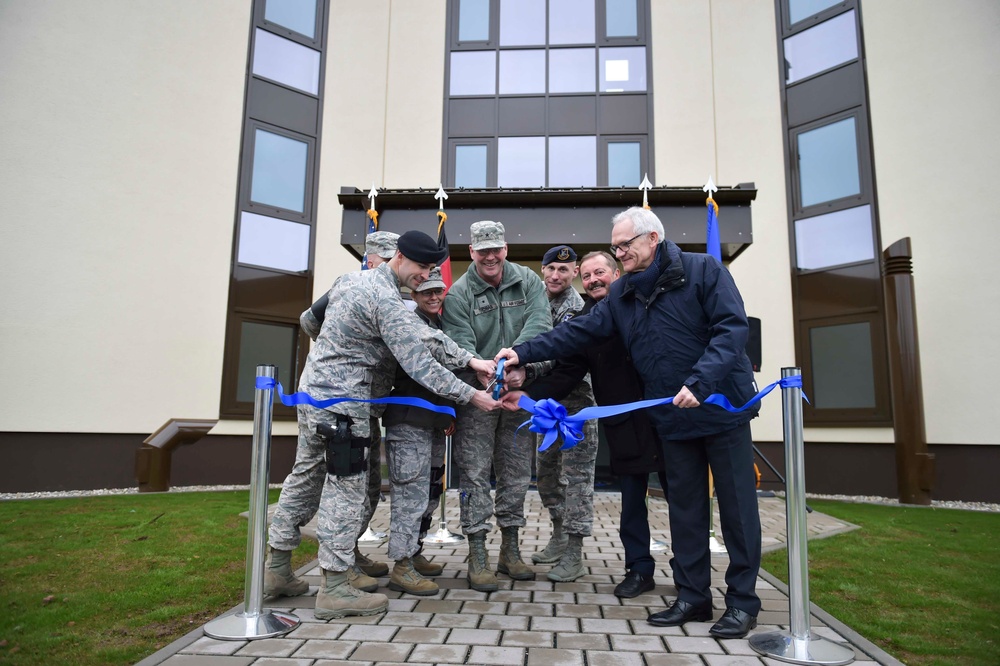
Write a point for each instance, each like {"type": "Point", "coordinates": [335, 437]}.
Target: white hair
{"type": "Point", "coordinates": [643, 221]}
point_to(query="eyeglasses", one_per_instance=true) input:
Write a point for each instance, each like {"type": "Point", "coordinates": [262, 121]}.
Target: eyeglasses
{"type": "Point", "coordinates": [626, 245]}
{"type": "Point", "coordinates": [432, 292]}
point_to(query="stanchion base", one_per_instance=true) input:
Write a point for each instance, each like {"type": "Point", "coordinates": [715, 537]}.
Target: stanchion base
{"type": "Point", "coordinates": [443, 535]}
{"type": "Point", "coordinates": [656, 546]}
{"type": "Point", "coordinates": [242, 627]}
{"type": "Point", "coordinates": [371, 536]}
{"type": "Point", "coordinates": [781, 645]}
{"type": "Point", "coordinates": [715, 547]}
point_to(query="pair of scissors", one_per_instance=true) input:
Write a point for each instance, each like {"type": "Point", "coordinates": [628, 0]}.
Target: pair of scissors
{"type": "Point", "coordinates": [497, 383]}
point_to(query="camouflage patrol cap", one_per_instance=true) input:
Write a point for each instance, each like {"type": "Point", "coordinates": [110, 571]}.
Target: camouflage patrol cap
{"type": "Point", "coordinates": [433, 281]}
{"type": "Point", "coordinates": [487, 235]}
{"type": "Point", "coordinates": [382, 243]}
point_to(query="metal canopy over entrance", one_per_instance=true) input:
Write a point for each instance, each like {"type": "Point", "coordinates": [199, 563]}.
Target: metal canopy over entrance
{"type": "Point", "coordinates": [535, 220]}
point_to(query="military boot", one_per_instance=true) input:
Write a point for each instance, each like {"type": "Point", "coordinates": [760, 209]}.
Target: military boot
{"type": "Point", "coordinates": [570, 566]}
{"type": "Point", "coordinates": [510, 561]}
{"type": "Point", "coordinates": [370, 566]}
{"type": "Point", "coordinates": [360, 580]}
{"type": "Point", "coordinates": [425, 567]}
{"type": "Point", "coordinates": [405, 578]}
{"type": "Point", "coordinates": [338, 598]}
{"type": "Point", "coordinates": [554, 549]}
{"type": "Point", "coordinates": [279, 581]}
{"type": "Point", "coordinates": [480, 576]}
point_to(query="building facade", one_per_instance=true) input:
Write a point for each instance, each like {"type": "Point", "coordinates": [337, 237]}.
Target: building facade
{"type": "Point", "coordinates": [173, 196]}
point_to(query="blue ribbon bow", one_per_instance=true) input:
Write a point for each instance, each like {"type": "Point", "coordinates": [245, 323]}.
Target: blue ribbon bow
{"type": "Point", "coordinates": [551, 420]}
{"type": "Point", "coordinates": [306, 399]}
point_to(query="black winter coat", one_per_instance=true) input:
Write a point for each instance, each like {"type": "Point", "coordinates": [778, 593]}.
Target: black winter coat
{"type": "Point", "coordinates": [632, 441]}
{"type": "Point", "coordinates": [406, 386]}
{"type": "Point", "coordinates": [691, 331]}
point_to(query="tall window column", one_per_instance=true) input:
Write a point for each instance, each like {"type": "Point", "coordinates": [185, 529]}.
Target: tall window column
{"type": "Point", "coordinates": [836, 277]}
{"type": "Point", "coordinates": [272, 268]}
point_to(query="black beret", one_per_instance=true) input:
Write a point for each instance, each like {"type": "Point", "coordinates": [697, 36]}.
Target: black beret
{"type": "Point", "coordinates": [561, 253]}
{"type": "Point", "coordinates": [421, 248]}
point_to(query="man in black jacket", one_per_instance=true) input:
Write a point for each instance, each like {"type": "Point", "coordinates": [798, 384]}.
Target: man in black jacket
{"type": "Point", "coordinates": [683, 323]}
{"type": "Point", "coordinates": [633, 445]}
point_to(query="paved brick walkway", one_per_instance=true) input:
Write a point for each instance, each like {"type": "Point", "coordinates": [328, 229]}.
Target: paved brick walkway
{"type": "Point", "coordinates": [532, 623]}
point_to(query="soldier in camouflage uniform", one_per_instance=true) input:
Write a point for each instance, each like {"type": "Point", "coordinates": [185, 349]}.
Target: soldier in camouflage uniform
{"type": "Point", "coordinates": [566, 478]}
{"type": "Point", "coordinates": [380, 247]}
{"type": "Point", "coordinates": [414, 439]}
{"type": "Point", "coordinates": [365, 322]}
{"type": "Point", "coordinates": [493, 304]}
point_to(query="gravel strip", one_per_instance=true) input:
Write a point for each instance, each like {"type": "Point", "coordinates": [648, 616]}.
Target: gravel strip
{"type": "Point", "coordinates": [58, 494]}
{"type": "Point", "coordinates": [861, 499]}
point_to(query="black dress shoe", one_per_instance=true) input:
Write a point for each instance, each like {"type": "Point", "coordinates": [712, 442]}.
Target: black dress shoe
{"type": "Point", "coordinates": [679, 613]}
{"type": "Point", "coordinates": [634, 584]}
{"type": "Point", "coordinates": [733, 624]}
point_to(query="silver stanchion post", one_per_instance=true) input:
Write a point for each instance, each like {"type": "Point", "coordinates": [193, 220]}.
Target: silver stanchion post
{"type": "Point", "coordinates": [443, 534]}
{"type": "Point", "coordinates": [256, 622]}
{"type": "Point", "coordinates": [798, 645]}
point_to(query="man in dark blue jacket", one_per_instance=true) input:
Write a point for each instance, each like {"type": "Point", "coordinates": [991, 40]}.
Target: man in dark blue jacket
{"type": "Point", "coordinates": [682, 321]}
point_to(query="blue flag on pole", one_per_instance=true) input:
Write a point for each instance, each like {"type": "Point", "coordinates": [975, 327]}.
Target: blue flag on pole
{"type": "Point", "coordinates": [372, 228]}
{"type": "Point", "coordinates": [714, 245]}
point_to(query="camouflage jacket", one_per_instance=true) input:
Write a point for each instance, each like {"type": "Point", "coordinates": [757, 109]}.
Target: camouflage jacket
{"type": "Point", "coordinates": [365, 323]}
{"type": "Point", "coordinates": [442, 348]}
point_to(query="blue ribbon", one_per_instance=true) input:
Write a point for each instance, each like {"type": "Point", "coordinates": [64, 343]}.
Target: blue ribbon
{"type": "Point", "coordinates": [306, 399]}
{"type": "Point", "coordinates": [551, 420]}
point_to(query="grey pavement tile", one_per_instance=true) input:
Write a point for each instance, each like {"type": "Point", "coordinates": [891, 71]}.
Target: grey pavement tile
{"type": "Point", "coordinates": [537, 585]}
{"type": "Point", "coordinates": [667, 659]}
{"type": "Point", "coordinates": [372, 651]}
{"type": "Point", "coordinates": [731, 660]}
{"type": "Point", "coordinates": [474, 636]}
{"type": "Point", "coordinates": [698, 628]}
{"type": "Point", "coordinates": [406, 619]}
{"type": "Point", "coordinates": [538, 656]}
{"type": "Point", "coordinates": [270, 647]}
{"type": "Point", "coordinates": [578, 610]}
{"type": "Point", "coordinates": [589, 626]}
{"type": "Point", "coordinates": [518, 608]}
{"type": "Point", "coordinates": [504, 622]}
{"type": "Point", "coordinates": [576, 588]}
{"type": "Point", "coordinates": [531, 639]}
{"type": "Point", "coordinates": [511, 595]}
{"type": "Point", "coordinates": [643, 627]}
{"type": "Point", "coordinates": [636, 643]}
{"type": "Point", "coordinates": [496, 656]}
{"type": "Point", "coordinates": [603, 599]}
{"type": "Point", "coordinates": [625, 613]}
{"type": "Point", "coordinates": [468, 621]}
{"type": "Point", "coordinates": [600, 658]}
{"type": "Point", "coordinates": [739, 646]}
{"type": "Point", "coordinates": [403, 604]}
{"type": "Point", "coordinates": [206, 660]}
{"type": "Point", "coordinates": [582, 641]}
{"type": "Point", "coordinates": [326, 649]}
{"type": "Point", "coordinates": [695, 644]}
{"type": "Point", "coordinates": [438, 606]}
{"type": "Point", "coordinates": [279, 661]}
{"type": "Point", "coordinates": [485, 607]}
{"type": "Point", "coordinates": [321, 631]}
{"type": "Point", "coordinates": [467, 595]}
{"type": "Point", "coordinates": [420, 635]}
{"type": "Point", "coordinates": [555, 597]}
{"type": "Point", "coordinates": [306, 614]}
{"type": "Point", "coordinates": [206, 645]}
{"type": "Point", "coordinates": [559, 624]}
{"type": "Point", "coordinates": [437, 654]}
{"type": "Point", "coordinates": [379, 633]}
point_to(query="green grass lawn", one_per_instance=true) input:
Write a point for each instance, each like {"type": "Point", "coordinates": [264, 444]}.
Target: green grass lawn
{"type": "Point", "coordinates": [922, 584]}
{"type": "Point", "coordinates": [110, 580]}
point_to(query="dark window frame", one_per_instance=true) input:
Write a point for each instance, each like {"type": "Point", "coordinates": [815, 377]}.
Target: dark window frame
{"type": "Point", "coordinates": [316, 43]}
{"type": "Point", "coordinates": [788, 29]}
{"type": "Point", "coordinates": [602, 153]}
{"type": "Point", "coordinates": [881, 413]}
{"type": "Point", "coordinates": [246, 174]}
{"type": "Point", "coordinates": [864, 159]}
{"type": "Point", "coordinates": [491, 154]}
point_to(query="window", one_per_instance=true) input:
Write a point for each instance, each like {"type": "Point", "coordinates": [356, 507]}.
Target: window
{"type": "Point", "coordinates": [802, 9]}
{"type": "Point", "coordinates": [828, 163]}
{"type": "Point", "coordinates": [273, 243]}
{"type": "Point", "coordinates": [297, 15]}
{"type": "Point", "coordinates": [843, 376]}
{"type": "Point", "coordinates": [265, 344]}
{"type": "Point", "coordinates": [279, 171]}
{"type": "Point", "coordinates": [834, 239]}
{"type": "Point", "coordinates": [541, 86]}
{"type": "Point", "coordinates": [820, 48]}
{"type": "Point", "coordinates": [286, 62]}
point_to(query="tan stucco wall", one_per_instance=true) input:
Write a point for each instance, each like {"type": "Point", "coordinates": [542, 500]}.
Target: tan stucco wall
{"type": "Point", "coordinates": [934, 92]}
{"type": "Point", "coordinates": [122, 129]}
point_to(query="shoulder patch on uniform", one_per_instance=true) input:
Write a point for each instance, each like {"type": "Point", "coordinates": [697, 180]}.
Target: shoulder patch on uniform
{"type": "Point", "coordinates": [568, 316]}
